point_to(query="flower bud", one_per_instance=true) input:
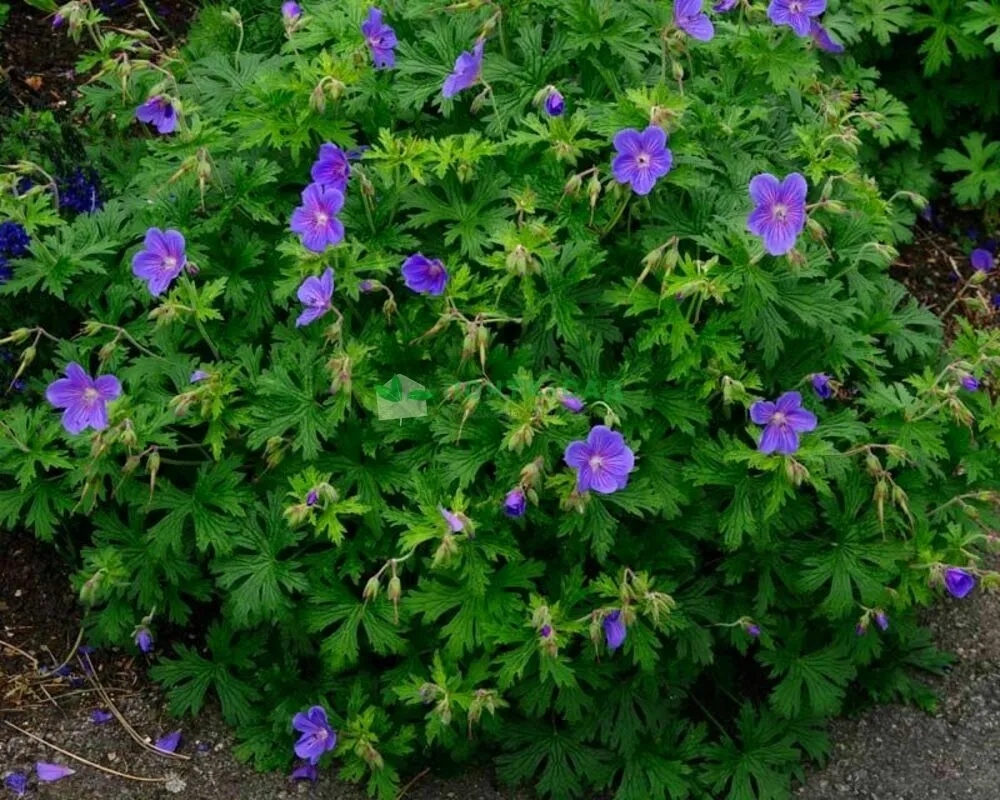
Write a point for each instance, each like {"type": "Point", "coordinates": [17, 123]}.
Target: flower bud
{"type": "Point", "coordinates": [130, 465]}
{"type": "Point", "coordinates": [371, 589]}
{"type": "Point", "coordinates": [573, 185]}
{"type": "Point", "coordinates": [445, 550]}
{"type": "Point", "coordinates": [678, 71]}
{"type": "Point", "coordinates": [593, 190]}
{"type": "Point", "coordinates": [28, 355]}
{"type": "Point", "coordinates": [16, 336]}
{"type": "Point", "coordinates": [395, 589]}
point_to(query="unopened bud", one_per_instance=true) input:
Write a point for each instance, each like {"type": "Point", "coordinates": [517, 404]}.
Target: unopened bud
{"type": "Point", "coordinates": [28, 355]}
{"type": "Point", "coordinates": [573, 185]}
{"type": "Point", "coordinates": [16, 336]}
{"type": "Point", "coordinates": [394, 590]}
{"type": "Point", "coordinates": [371, 589]}
{"type": "Point", "coordinates": [593, 190]}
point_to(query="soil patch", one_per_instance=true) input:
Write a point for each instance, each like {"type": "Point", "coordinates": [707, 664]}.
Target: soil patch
{"type": "Point", "coordinates": [40, 61]}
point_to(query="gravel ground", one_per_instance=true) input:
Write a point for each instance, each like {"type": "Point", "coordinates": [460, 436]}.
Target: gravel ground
{"type": "Point", "coordinates": [897, 753]}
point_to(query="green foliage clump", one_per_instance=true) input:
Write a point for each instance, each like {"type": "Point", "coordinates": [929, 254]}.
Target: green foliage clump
{"type": "Point", "coordinates": [268, 510]}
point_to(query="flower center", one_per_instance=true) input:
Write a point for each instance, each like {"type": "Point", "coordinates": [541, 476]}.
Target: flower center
{"type": "Point", "coordinates": [779, 418]}
{"type": "Point", "coordinates": [795, 8]}
{"type": "Point", "coordinates": [642, 160]}
{"type": "Point", "coordinates": [170, 263]}
{"type": "Point", "coordinates": [322, 218]}
{"type": "Point", "coordinates": [90, 396]}
{"type": "Point", "coordinates": [596, 462]}
{"type": "Point", "coordinates": [433, 269]}
{"type": "Point", "coordinates": [780, 212]}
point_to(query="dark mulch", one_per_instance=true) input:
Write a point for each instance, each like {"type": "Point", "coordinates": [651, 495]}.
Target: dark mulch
{"type": "Point", "coordinates": [40, 61]}
{"type": "Point", "coordinates": [935, 269]}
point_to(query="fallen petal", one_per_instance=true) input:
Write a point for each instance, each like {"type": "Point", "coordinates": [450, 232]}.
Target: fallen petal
{"type": "Point", "coordinates": [169, 742]}
{"type": "Point", "coordinates": [52, 772]}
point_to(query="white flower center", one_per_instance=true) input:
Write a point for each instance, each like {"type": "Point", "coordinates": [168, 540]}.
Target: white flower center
{"type": "Point", "coordinates": [795, 8]}
{"type": "Point", "coordinates": [596, 462]}
{"type": "Point", "coordinates": [780, 212]}
{"type": "Point", "coordinates": [322, 218]}
{"type": "Point", "coordinates": [642, 160]}
{"type": "Point", "coordinates": [90, 396]}
{"type": "Point", "coordinates": [170, 263]}
{"type": "Point", "coordinates": [779, 418]}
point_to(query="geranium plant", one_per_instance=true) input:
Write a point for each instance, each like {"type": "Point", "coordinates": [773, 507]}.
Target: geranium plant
{"type": "Point", "coordinates": [517, 378]}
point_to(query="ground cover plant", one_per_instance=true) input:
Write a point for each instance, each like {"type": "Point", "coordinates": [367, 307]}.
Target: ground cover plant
{"type": "Point", "coordinates": [514, 379]}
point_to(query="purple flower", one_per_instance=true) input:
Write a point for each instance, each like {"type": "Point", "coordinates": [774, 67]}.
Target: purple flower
{"type": "Point", "coordinates": [58, 20]}
{"type": "Point", "coordinates": [84, 398]}
{"type": "Point", "coordinates": [996, 301]}
{"type": "Point", "coordinates": [315, 220]}
{"type": "Point", "coordinates": [514, 503]}
{"type": "Point", "coordinates": [424, 275]}
{"type": "Point", "coordinates": [331, 168]}
{"type": "Point", "coordinates": [455, 522]}
{"type": "Point", "coordinates": [291, 11]}
{"type": "Point", "coordinates": [958, 582]}
{"type": "Point", "coordinates": [821, 385]}
{"type": "Point", "coordinates": [317, 735]}
{"type": "Point", "coordinates": [198, 375]}
{"type": "Point", "coordinates": [571, 403]}
{"type": "Point", "coordinates": [821, 36]}
{"type": "Point", "coordinates": [315, 294]}
{"type": "Point", "coordinates": [784, 420]}
{"type": "Point", "coordinates": [882, 620]}
{"type": "Point", "coordinates": [468, 68]}
{"type": "Point", "coordinates": [159, 112]}
{"type": "Point", "coordinates": [554, 103]}
{"type": "Point", "coordinates": [970, 383]}
{"type": "Point", "coordinates": [642, 159]}
{"type": "Point", "coordinates": [779, 213]}
{"type": "Point", "coordinates": [144, 639]}
{"type": "Point", "coordinates": [99, 716]}
{"type": "Point", "coordinates": [796, 14]}
{"type": "Point", "coordinates": [14, 239]}
{"type": "Point", "coordinates": [312, 498]}
{"type": "Point", "coordinates": [52, 772]}
{"type": "Point", "coordinates": [981, 260]}
{"type": "Point", "coordinates": [860, 630]}
{"type": "Point", "coordinates": [603, 462]}
{"type": "Point", "coordinates": [17, 782]}
{"type": "Point", "coordinates": [366, 286]}
{"type": "Point", "coordinates": [614, 630]}
{"type": "Point", "coordinates": [305, 772]}
{"type": "Point", "coordinates": [689, 17]}
{"type": "Point", "coordinates": [161, 260]}
{"type": "Point", "coordinates": [724, 6]}
{"type": "Point", "coordinates": [546, 631]}
{"type": "Point", "coordinates": [753, 630]}
{"type": "Point", "coordinates": [381, 39]}
{"type": "Point", "coordinates": [80, 191]}
{"type": "Point", "coordinates": [169, 742]}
